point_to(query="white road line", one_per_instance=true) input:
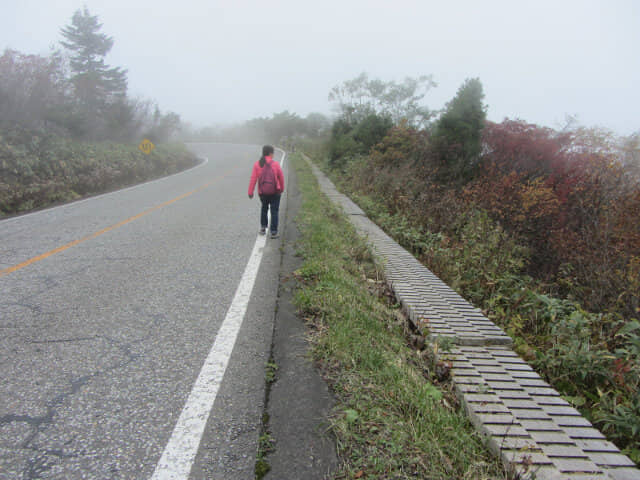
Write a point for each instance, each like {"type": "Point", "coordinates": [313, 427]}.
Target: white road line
{"type": "Point", "coordinates": [180, 452]}
{"type": "Point", "coordinates": [284, 154]}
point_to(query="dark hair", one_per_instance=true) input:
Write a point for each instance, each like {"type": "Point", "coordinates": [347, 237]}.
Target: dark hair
{"type": "Point", "coordinates": [267, 150]}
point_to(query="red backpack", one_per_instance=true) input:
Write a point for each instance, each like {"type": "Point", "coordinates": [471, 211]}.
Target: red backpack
{"type": "Point", "coordinates": [267, 180]}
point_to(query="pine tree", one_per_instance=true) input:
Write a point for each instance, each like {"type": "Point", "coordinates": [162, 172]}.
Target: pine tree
{"type": "Point", "coordinates": [97, 86]}
{"type": "Point", "coordinates": [458, 133]}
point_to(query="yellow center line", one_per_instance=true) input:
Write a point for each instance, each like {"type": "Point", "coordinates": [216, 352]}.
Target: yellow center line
{"type": "Point", "coordinates": [26, 263]}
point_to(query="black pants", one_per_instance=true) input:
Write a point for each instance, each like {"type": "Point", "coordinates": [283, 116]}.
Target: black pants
{"type": "Point", "coordinates": [273, 202]}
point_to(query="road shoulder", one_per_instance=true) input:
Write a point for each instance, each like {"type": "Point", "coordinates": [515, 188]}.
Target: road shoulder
{"type": "Point", "coordinates": [299, 401]}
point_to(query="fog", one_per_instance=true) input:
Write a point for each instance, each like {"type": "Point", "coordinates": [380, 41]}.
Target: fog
{"type": "Point", "coordinates": [223, 62]}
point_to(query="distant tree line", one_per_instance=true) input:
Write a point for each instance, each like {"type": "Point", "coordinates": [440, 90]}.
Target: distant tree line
{"type": "Point", "coordinates": [73, 92]}
{"type": "Point", "coordinates": [284, 128]}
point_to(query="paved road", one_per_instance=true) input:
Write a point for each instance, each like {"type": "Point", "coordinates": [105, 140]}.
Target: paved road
{"type": "Point", "coordinates": [102, 341]}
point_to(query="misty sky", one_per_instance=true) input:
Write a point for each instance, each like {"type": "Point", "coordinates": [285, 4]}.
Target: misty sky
{"type": "Point", "coordinates": [228, 61]}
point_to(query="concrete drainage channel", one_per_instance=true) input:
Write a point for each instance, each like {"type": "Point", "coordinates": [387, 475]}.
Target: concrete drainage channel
{"type": "Point", "coordinates": [524, 420]}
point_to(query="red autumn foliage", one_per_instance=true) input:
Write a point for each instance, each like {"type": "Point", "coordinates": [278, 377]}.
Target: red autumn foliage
{"type": "Point", "coordinates": [527, 149]}
{"type": "Point", "coordinates": [567, 195]}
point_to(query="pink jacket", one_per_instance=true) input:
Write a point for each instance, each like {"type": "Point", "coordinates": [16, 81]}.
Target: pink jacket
{"type": "Point", "coordinates": [257, 169]}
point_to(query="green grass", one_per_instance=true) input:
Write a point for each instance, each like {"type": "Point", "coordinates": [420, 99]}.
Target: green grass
{"type": "Point", "coordinates": [391, 420]}
{"type": "Point", "coordinates": [265, 446]}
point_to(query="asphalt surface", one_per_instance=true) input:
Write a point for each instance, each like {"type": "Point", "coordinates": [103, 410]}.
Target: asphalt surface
{"type": "Point", "coordinates": [101, 342]}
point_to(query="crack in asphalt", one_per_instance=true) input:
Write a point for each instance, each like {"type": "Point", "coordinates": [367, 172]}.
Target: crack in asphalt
{"type": "Point", "coordinates": [63, 340]}
{"type": "Point", "coordinates": [39, 463]}
{"type": "Point", "coordinates": [44, 459]}
{"type": "Point", "coordinates": [33, 308]}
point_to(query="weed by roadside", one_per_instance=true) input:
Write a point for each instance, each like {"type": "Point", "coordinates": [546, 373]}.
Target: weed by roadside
{"type": "Point", "coordinates": [270, 372]}
{"type": "Point", "coordinates": [266, 444]}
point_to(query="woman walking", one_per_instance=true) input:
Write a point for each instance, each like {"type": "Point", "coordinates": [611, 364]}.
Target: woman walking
{"type": "Point", "coordinates": [268, 174]}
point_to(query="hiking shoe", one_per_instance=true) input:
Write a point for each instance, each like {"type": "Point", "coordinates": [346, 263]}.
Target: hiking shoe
{"type": "Point", "coordinates": [263, 230]}
{"type": "Point", "coordinates": [274, 235]}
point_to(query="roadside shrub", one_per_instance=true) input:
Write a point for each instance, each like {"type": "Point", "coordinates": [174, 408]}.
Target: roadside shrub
{"type": "Point", "coordinates": [342, 149]}
{"type": "Point", "coordinates": [39, 169]}
{"type": "Point", "coordinates": [350, 139]}
{"type": "Point", "coordinates": [371, 130]}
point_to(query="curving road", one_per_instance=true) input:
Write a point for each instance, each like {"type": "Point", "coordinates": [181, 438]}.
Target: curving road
{"type": "Point", "coordinates": [109, 309]}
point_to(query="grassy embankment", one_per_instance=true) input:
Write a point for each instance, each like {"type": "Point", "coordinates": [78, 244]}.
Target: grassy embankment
{"type": "Point", "coordinates": [38, 171]}
{"type": "Point", "coordinates": [590, 358]}
{"type": "Point", "coordinates": [393, 418]}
